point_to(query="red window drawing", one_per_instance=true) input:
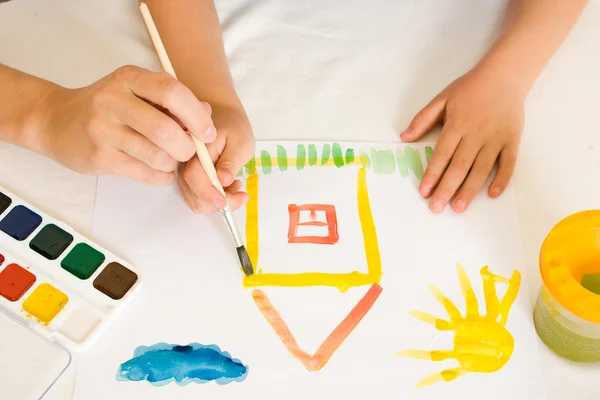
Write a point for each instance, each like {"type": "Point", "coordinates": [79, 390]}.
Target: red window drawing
{"type": "Point", "coordinates": [308, 218]}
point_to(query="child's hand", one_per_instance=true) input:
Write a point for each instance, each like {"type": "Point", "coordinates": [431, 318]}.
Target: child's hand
{"type": "Point", "coordinates": [482, 123]}
{"type": "Point", "coordinates": [232, 149]}
{"type": "Point", "coordinates": [128, 123]}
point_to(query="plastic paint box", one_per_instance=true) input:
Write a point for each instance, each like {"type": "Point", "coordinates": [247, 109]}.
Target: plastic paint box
{"type": "Point", "coordinates": [567, 312]}
{"type": "Point", "coordinates": [59, 291]}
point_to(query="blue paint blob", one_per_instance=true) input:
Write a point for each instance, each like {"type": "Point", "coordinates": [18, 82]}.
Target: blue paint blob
{"type": "Point", "coordinates": [163, 363]}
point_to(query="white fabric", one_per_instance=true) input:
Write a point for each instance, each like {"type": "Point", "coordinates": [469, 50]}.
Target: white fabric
{"type": "Point", "coordinates": [389, 58]}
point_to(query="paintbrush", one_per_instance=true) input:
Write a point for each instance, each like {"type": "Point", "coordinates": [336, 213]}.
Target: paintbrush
{"type": "Point", "coordinates": [201, 150]}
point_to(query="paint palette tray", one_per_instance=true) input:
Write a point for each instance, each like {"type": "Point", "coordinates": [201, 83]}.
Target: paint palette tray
{"type": "Point", "coordinates": [59, 291]}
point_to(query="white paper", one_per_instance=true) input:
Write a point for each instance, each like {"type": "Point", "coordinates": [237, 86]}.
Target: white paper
{"type": "Point", "coordinates": [192, 290]}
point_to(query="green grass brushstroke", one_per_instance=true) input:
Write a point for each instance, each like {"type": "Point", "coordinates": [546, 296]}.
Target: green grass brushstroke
{"type": "Point", "coordinates": [300, 157]}
{"type": "Point", "coordinates": [414, 161]}
{"type": "Point", "coordinates": [326, 154]}
{"type": "Point", "coordinates": [251, 166]}
{"type": "Point", "coordinates": [338, 157]}
{"type": "Point", "coordinates": [265, 161]}
{"type": "Point", "coordinates": [428, 153]}
{"type": "Point", "coordinates": [349, 156]}
{"type": "Point", "coordinates": [282, 159]}
{"type": "Point", "coordinates": [401, 162]}
{"type": "Point", "coordinates": [383, 161]}
{"type": "Point", "coordinates": [313, 157]}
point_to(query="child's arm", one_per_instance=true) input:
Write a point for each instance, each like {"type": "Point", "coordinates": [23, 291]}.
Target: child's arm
{"type": "Point", "coordinates": [482, 111]}
{"type": "Point", "coordinates": [21, 96]}
{"type": "Point", "coordinates": [191, 33]}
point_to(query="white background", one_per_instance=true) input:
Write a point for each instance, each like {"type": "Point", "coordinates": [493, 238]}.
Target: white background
{"type": "Point", "coordinates": [333, 71]}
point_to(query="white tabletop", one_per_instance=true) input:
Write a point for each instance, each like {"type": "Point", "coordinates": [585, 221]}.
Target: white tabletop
{"type": "Point", "coordinates": [74, 43]}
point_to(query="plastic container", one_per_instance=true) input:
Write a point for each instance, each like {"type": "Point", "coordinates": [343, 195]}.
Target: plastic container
{"type": "Point", "coordinates": [35, 361]}
{"type": "Point", "coordinates": [567, 312]}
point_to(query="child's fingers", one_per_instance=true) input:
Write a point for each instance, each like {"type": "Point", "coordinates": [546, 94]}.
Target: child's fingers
{"type": "Point", "coordinates": [169, 93]}
{"type": "Point", "coordinates": [237, 152]}
{"type": "Point", "coordinates": [192, 200]}
{"type": "Point", "coordinates": [236, 196]}
{"type": "Point", "coordinates": [237, 200]}
{"type": "Point", "coordinates": [506, 167]}
{"type": "Point", "coordinates": [442, 153]}
{"type": "Point", "coordinates": [454, 176]}
{"type": "Point", "coordinates": [138, 146]}
{"type": "Point", "coordinates": [203, 193]}
{"type": "Point", "coordinates": [484, 163]}
{"type": "Point", "coordinates": [425, 120]}
{"type": "Point", "coordinates": [123, 164]}
{"type": "Point", "coordinates": [185, 192]}
{"type": "Point", "coordinates": [235, 187]}
{"type": "Point", "coordinates": [161, 130]}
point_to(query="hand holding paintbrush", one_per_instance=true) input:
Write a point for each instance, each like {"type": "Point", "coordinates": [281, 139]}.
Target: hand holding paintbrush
{"type": "Point", "coordinates": [201, 149]}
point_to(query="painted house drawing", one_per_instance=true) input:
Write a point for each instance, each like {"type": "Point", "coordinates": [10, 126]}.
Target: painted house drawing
{"type": "Point", "coordinates": [326, 236]}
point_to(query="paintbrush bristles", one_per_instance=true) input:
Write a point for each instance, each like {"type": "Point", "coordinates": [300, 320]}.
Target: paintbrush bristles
{"type": "Point", "coordinates": [245, 261]}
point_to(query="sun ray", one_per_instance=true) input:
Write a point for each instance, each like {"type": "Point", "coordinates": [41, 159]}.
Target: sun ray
{"type": "Point", "coordinates": [434, 355]}
{"type": "Point", "coordinates": [492, 304]}
{"type": "Point", "coordinates": [468, 293]}
{"type": "Point", "coordinates": [430, 319]}
{"type": "Point", "coordinates": [509, 297]}
{"type": "Point", "coordinates": [416, 354]}
{"type": "Point", "coordinates": [446, 375]}
{"type": "Point", "coordinates": [453, 312]}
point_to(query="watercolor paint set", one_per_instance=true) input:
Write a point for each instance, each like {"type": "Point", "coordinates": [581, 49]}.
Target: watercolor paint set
{"type": "Point", "coordinates": [59, 291]}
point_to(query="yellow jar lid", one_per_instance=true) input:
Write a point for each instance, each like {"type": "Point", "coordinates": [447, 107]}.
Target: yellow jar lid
{"type": "Point", "coordinates": [571, 251]}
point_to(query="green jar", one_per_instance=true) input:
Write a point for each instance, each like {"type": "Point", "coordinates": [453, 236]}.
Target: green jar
{"type": "Point", "coordinates": [567, 312]}
{"type": "Point", "coordinates": [564, 334]}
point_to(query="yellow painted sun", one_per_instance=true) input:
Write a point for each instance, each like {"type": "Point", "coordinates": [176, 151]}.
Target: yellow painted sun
{"type": "Point", "coordinates": [481, 342]}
